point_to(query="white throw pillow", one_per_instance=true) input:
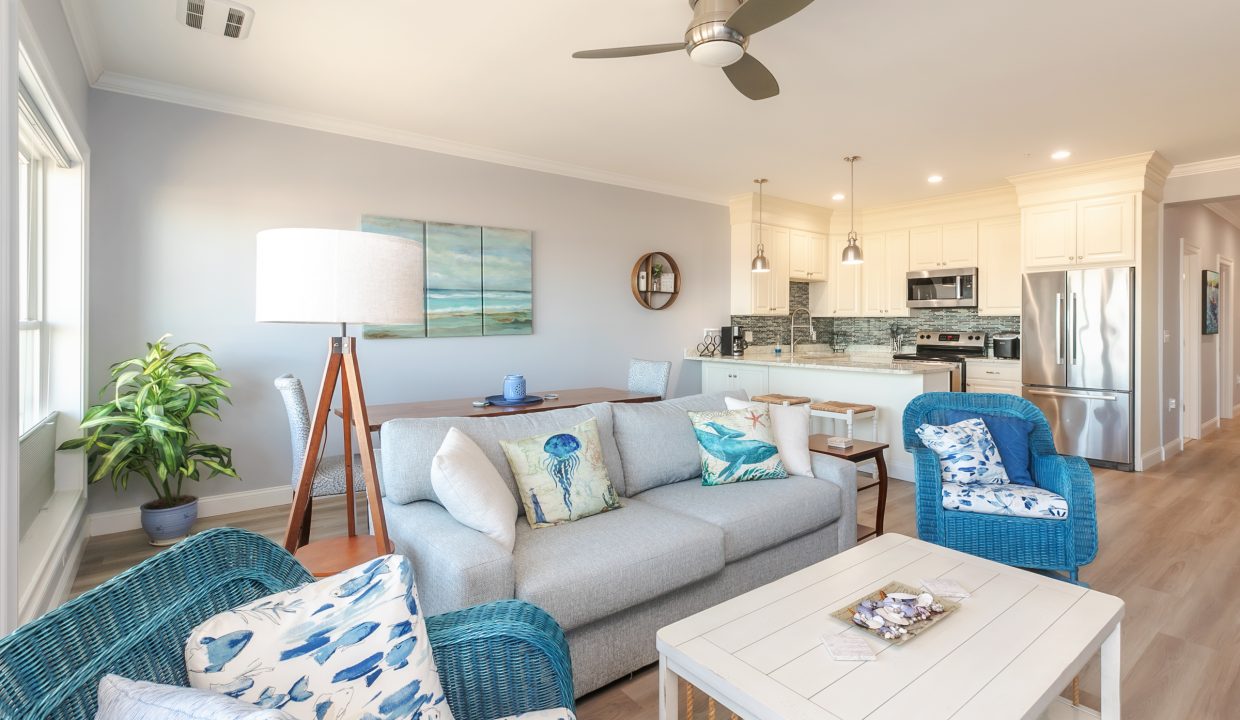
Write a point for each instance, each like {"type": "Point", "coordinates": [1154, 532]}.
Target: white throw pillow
{"type": "Point", "coordinates": [967, 453]}
{"type": "Point", "coordinates": [790, 426]}
{"type": "Point", "coordinates": [353, 645]}
{"type": "Point", "coordinates": [471, 489]}
{"type": "Point", "coordinates": [123, 699]}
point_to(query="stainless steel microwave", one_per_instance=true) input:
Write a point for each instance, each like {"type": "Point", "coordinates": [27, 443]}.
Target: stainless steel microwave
{"type": "Point", "coordinates": [950, 287]}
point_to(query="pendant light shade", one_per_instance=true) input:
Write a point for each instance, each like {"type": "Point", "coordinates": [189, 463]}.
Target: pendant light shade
{"type": "Point", "coordinates": [852, 251]}
{"type": "Point", "coordinates": [760, 264]}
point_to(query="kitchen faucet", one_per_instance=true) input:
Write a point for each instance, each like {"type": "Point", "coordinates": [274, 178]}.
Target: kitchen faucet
{"type": "Point", "coordinates": [792, 329]}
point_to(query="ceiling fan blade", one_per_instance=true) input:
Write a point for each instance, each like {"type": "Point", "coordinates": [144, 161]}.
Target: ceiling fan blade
{"type": "Point", "coordinates": [757, 15]}
{"type": "Point", "coordinates": [752, 78]}
{"type": "Point", "coordinates": [630, 51]}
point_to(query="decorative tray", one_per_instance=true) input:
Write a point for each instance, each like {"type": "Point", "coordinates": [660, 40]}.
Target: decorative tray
{"type": "Point", "coordinates": [896, 613]}
{"type": "Point", "coordinates": [527, 400]}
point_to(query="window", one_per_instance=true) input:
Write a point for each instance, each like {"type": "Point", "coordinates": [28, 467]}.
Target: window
{"type": "Point", "coordinates": [32, 344]}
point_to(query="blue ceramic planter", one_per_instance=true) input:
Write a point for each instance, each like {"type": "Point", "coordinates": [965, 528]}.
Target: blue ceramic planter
{"type": "Point", "coordinates": [168, 526]}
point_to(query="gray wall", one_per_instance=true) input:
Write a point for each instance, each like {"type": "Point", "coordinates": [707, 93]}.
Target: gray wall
{"type": "Point", "coordinates": [178, 195]}
{"type": "Point", "coordinates": [48, 20]}
{"type": "Point", "coordinates": [1216, 237]}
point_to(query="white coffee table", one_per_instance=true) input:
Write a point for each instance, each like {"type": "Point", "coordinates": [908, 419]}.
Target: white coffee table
{"type": "Point", "coordinates": [1007, 652]}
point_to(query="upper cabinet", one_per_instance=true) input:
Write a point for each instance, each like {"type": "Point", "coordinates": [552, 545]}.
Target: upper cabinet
{"type": "Point", "coordinates": [998, 267]}
{"type": "Point", "coordinates": [1099, 231]}
{"type": "Point", "coordinates": [943, 246]}
{"type": "Point", "coordinates": [807, 256]}
{"type": "Point", "coordinates": [884, 274]}
{"type": "Point", "coordinates": [843, 290]}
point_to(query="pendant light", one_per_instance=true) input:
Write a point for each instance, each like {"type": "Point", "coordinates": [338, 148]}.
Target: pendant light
{"type": "Point", "coordinates": [760, 263]}
{"type": "Point", "coordinates": [852, 251]}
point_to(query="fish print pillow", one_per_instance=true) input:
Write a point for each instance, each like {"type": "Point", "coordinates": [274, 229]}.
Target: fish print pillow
{"type": "Point", "coordinates": [967, 453]}
{"type": "Point", "coordinates": [561, 476]}
{"type": "Point", "coordinates": [353, 645]}
{"type": "Point", "coordinates": [736, 445]}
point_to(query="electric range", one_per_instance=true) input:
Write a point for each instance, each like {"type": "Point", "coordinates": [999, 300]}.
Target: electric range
{"type": "Point", "coordinates": [949, 348]}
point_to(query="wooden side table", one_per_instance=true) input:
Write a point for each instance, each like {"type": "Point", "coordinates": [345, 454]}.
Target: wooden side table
{"type": "Point", "coordinates": [861, 451]}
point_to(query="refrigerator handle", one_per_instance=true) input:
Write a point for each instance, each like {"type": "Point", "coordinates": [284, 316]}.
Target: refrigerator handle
{"type": "Point", "coordinates": [1074, 329]}
{"type": "Point", "coordinates": [1059, 328]}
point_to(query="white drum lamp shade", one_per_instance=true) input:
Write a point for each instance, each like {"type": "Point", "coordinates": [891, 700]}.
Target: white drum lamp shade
{"type": "Point", "coordinates": [307, 275]}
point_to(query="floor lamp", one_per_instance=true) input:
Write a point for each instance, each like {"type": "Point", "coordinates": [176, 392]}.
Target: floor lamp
{"type": "Point", "coordinates": [338, 277]}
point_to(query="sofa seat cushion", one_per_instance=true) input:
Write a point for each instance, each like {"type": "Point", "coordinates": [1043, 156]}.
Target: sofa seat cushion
{"type": "Point", "coordinates": [582, 571]}
{"type": "Point", "coordinates": [753, 516]}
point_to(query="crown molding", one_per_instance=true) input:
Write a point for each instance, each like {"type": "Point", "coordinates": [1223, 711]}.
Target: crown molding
{"type": "Point", "coordinates": [956, 207]}
{"type": "Point", "coordinates": [179, 95]}
{"type": "Point", "coordinates": [1141, 173]}
{"type": "Point", "coordinates": [82, 30]}
{"type": "Point", "coordinates": [1224, 212]}
{"type": "Point", "coordinates": [1205, 166]}
{"type": "Point", "coordinates": [780, 212]}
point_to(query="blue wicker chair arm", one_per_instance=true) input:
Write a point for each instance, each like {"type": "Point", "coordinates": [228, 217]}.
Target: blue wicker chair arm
{"type": "Point", "coordinates": [1071, 477]}
{"type": "Point", "coordinates": [929, 494]}
{"type": "Point", "coordinates": [499, 659]}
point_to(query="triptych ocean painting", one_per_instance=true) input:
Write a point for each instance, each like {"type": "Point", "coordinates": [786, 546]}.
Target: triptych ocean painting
{"type": "Point", "coordinates": [479, 280]}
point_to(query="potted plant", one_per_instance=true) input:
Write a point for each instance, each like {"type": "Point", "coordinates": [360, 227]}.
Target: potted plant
{"type": "Point", "coordinates": [145, 430]}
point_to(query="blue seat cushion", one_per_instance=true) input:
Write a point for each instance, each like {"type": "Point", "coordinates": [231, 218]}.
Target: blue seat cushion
{"type": "Point", "coordinates": [1010, 434]}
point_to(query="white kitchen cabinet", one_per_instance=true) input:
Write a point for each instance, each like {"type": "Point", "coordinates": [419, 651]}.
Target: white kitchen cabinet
{"type": "Point", "coordinates": [998, 272]}
{"type": "Point", "coordinates": [985, 387]}
{"type": "Point", "coordinates": [990, 375]}
{"type": "Point", "coordinates": [760, 293]}
{"type": "Point", "coordinates": [721, 376]}
{"type": "Point", "coordinates": [844, 285]}
{"type": "Point", "coordinates": [807, 256]}
{"type": "Point", "coordinates": [884, 274]}
{"type": "Point", "coordinates": [943, 246]}
{"type": "Point", "coordinates": [1099, 231]}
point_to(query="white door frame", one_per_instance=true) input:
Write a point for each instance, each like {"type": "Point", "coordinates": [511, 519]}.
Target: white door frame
{"type": "Point", "coordinates": [9, 485]}
{"type": "Point", "coordinates": [1226, 338]}
{"type": "Point", "coordinates": [1190, 341]}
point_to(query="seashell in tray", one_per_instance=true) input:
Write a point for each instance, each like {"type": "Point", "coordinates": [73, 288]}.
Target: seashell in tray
{"type": "Point", "coordinates": [901, 596]}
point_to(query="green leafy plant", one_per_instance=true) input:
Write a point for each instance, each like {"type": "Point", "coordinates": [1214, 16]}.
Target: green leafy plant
{"type": "Point", "coordinates": [145, 429]}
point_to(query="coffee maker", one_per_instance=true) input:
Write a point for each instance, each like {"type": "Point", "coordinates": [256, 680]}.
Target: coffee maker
{"type": "Point", "coordinates": [732, 341]}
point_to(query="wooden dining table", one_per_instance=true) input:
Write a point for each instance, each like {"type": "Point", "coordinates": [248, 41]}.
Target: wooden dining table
{"type": "Point", "coordinates": [376, 415]}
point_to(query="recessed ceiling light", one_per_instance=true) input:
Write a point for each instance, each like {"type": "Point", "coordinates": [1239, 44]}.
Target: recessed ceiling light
{"type": "Point", "coordinates": [1061, 155]}
{"type": "Point", "coordinates": [837, 197]}
{"type": "Point", "coordinates": [936, 179]}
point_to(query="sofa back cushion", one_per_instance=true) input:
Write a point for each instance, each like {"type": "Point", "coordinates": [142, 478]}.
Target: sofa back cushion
{"type": "Point", "coordinates": [407, 446]}
{"type": "Point", "coordinates": [656, 441]}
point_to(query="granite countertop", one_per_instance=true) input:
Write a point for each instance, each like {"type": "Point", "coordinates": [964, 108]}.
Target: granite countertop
{"type": "Point", "coordinates": [871, 363]}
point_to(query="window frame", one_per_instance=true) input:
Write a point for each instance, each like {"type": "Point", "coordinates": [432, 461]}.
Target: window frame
{"type": "Point", "coordinates": [33, 404]}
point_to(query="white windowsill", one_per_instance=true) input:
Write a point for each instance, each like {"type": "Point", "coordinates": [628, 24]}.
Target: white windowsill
{"type": "Point", "coordinates": [45, 551]}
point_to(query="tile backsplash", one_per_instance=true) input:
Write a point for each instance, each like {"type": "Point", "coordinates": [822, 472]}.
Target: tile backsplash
{"type": "Point", "coordinates": [843, 332]}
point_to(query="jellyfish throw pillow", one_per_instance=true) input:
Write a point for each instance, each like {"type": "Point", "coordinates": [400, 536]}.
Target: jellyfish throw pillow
{"type": "Point", "coordinates": [736, 445]}
{"type": "Point", "coordinates": [353, 645]}
{"type": "Point", "coordinates": [561, 476]}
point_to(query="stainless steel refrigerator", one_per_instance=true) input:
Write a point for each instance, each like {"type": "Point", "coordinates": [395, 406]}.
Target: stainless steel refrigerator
{"type": "Point", "coordinates": [1077, 360]}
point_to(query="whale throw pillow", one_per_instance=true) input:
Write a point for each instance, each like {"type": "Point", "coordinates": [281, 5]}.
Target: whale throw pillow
{"type": "Point", "coordinates": [736, 445]}
{"type": "Point", "coordinates": [561, 476]}
{"type": "Point", "coordinates": [353, 645]}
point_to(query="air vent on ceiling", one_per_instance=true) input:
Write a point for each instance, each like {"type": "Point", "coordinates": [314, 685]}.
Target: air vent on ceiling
{"type": "Point", "coordinates": [219, 17]}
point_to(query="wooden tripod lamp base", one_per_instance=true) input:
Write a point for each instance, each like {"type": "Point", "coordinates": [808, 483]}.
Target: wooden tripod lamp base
{"type": "Point", "coordinates": [328, 557]}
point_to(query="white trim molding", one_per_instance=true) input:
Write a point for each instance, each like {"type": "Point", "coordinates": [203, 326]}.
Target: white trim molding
{"type": "Point", "coordinates": [1205, 166]}
{"type": "Point", "coordinates": [10, 494]}
{"type": "Point", "coordinates": [114, 521]}
{"type": "Point", "coordinates": [1151, 458]}
{"type": "Point", "coordinates": [82, 30]}
{"type": "Point", "coordinates": [1173, 448]}
{"type": "Point", "coordinates": [179, 95]}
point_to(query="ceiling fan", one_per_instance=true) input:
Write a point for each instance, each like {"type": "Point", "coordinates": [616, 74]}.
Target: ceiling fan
{"type": "Point", "coordinates": [718, 36]}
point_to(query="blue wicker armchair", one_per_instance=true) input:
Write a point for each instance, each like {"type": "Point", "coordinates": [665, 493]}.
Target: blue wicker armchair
{"type": "Point", "coordinates": [495, 660]}
{"type": "Point", "coordinates": [1062, 545]}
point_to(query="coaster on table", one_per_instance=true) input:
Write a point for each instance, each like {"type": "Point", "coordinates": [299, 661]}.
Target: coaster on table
{"type": "Point", "coordinates": [945, 587]}
{"type": "Point", "coordinates": [848, 647]}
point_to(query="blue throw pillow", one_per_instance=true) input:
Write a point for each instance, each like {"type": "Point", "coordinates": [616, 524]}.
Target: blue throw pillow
{"type": "Point", "coordinates": [1010, 434]}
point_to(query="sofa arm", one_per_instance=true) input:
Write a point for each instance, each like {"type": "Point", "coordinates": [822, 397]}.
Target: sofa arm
{"type": "Point", "coordinates": [501, 659]}
{"type": "Point", "coordinates": [455, 566]}
{"type": "Point", "coordinates": [842, 474]}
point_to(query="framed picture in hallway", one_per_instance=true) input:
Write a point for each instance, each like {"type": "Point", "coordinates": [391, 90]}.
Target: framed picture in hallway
{"type": "Point", "coordinates": [1209, 302]}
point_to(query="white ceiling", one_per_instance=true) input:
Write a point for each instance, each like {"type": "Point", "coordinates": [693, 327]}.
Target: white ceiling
{"type": "Point", "coordinates": [975, 90]}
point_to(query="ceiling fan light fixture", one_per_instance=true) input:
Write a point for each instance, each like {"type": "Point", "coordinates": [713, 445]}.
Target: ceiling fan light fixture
{"type": "Point", "coordinates": [716, 53]}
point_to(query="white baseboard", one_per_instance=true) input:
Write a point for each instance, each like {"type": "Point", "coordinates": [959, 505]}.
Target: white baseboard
{"type": "Point", "coordinates": [1210, 426]}
{"type": "Point", "coordinates": [114, 521]}
{"type": "Point", "coordinates": [1235, 411]}
{"type": "Point", "coordinates": [1173, 448]}
{"type": "Point", "coordinates": [1149, 459]}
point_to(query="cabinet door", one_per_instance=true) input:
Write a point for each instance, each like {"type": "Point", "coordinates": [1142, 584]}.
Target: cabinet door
{"type": "Point", "coordinates": [874, 276]}
{"type": "Point", "coordinates": [844, 286]}
{"type": "Point", "coordinates": [799, 255]}
{"type": "Point", "coordinates": [984, 387]}
{"type": "Point", "coordinates": [751, 379]}
{"type": "Point", "coordinates": [1048, 235]}
{"type": "Point", "coordinates": [818, 255]}
{"type": "Point", "coordinates": [998, 271]}
{"type": "Point", "coordinates": [717, 377]}
{"type": "Point", "coordinates": [925, 248]}
{"type": "Point", "coordinates": [1106, 230]}
{"type": "Point", "coordinates": [778, 250]}
{"type": "Point", "coordinates": [897, 245]}
{"type": "Point", "coordinates": [960, 245]}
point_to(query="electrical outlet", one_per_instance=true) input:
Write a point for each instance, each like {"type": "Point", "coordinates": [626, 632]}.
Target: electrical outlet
{"type": "Point", "coordinates": [1171, 403]}
{"type": "Point", "coordinates": [749, 336]}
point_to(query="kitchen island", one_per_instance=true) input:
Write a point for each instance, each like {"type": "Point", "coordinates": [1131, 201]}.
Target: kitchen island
{"type": "Point", "coordinates": [869, 379]}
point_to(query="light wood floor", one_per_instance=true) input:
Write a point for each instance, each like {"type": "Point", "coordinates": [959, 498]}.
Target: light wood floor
{"type": "Point", "coordinates": [1170, 547]}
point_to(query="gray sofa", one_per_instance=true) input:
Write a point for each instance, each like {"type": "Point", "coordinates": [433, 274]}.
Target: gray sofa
{"type": "Point", "coordinates": [612, 580]}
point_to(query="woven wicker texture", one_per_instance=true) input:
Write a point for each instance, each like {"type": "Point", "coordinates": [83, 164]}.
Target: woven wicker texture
{"type": "Point", "coordinates": [1023, 542]}
{"type": "Point", "coordinates": [494, 660]}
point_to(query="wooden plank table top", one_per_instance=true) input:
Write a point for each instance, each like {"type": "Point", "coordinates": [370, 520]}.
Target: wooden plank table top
{"type": "Point", "coordinates": [463, 407]}
{"type": "Point", "coordinates": [1006, 654]}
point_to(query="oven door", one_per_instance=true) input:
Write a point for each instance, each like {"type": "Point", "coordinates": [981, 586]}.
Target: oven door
{"type": "Point", "coordinates": [942, 288]}
{"type": "Point", "coordinates": [955, 368]}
